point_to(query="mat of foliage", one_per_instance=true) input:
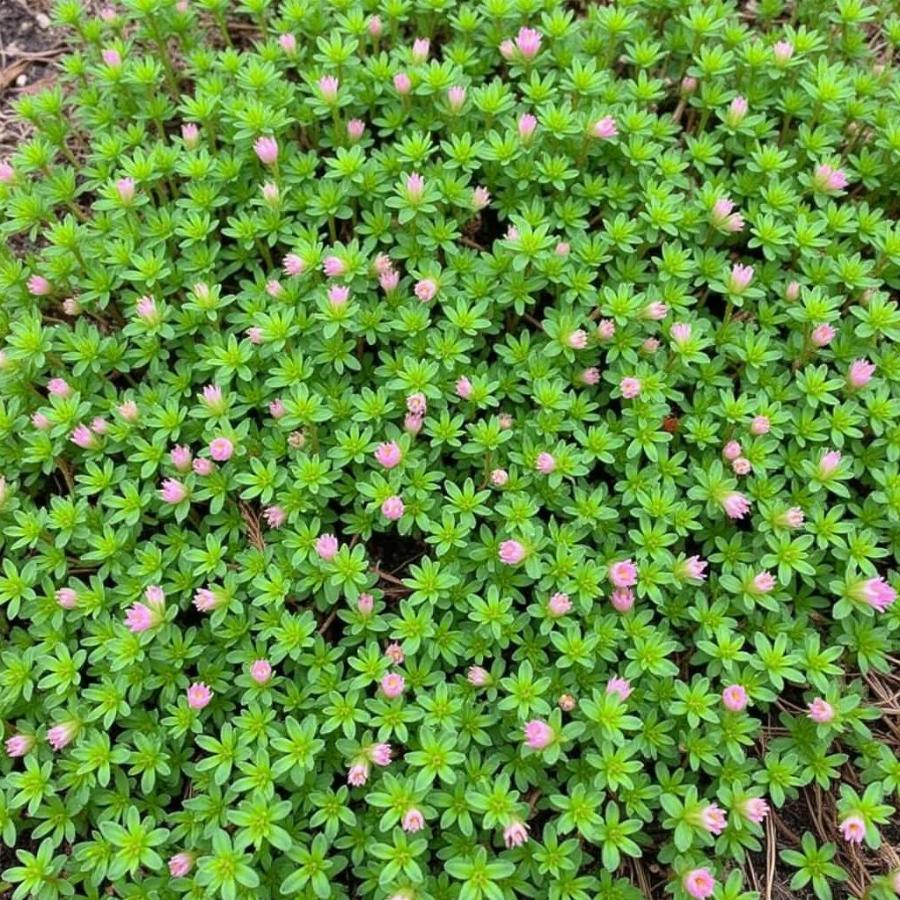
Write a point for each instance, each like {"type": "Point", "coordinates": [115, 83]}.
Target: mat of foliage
{"type": "Point", "coordinates": [451, 451]}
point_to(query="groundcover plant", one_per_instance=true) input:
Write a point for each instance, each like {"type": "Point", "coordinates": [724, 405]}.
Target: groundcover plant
{"type": "Point", "coordinates": [450, 450]}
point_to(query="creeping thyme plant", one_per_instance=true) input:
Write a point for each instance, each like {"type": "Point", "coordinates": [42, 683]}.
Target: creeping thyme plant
{"type": "Point", "coordinates": [451, 450]}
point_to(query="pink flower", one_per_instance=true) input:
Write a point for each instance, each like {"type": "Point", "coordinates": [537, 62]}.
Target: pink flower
{"type": "Point", "coordinates": [590, 376]}
{"type": "Point", "coordinates": [876, 592]}
{"type": "Point", "coordinates": [760, 425]}
{"type": "Point", "coordinates": [381, 754]}
{"type": "Point", "coordinates": [181, 457]}
{"type": "Point", "coordinates": [829, 180]}
{"type": "Point", "coordinates": [99, 425]}
{"type": "Point", "coordinates": [621, 687]}
{"type": "Point", "coordinates": [456, 98]}
{"type": "Point", "coordinates": [328, 87]}
{"type": "Point", "coordinates": [499, 477]}
{"type": "Point", "coordinates": [680, 333]}
{"type": "Point", "coordinates": [622, 599]}
{"type": "Point", "coordinates": [276, 408]}
{"type": "Point", "coordinates": [559, 604]}
{"type": "Point", "coordinates": [212, 398]}
{"type": "Point", "coordinates": [296, 440]}
{"type": "Point", "coordinates": [338, 295]}
{"type": "Point", "coordinates": [61, 735]}
{"type": "Point", "coordinates": [267, 150]}
{"type": "Point", "coordinates": [292, 265]}
{"type": "Point", "coordinates": [83, 437]}
{"type": "Point", "coordinates": [853, 829]}
{"type": "Point", "coordinates": [563, 248]}
{"type": "Point", "coordinates": [392, 685]}
{"type": "Point", "coordinates": [413, 821]}
{"type": "Point", "coordinates": [505, 421]}
{"type": "Point", "coordinates": [755, 810]}
{"type": "Point", "coordinates": [112, 58]}
{"type": "Point", "coordinates": [655, 311]}
{"type": "Point", "coordinates": [190, 134]}
{"type": "Point", "coordinates": [507, 49]}
{"type": "Point", "coordinates": [791, 518]}
{"type": "Point", "coordinates": [275, 516]}
{"type": "Point", "coordinates": [374, 26]}
{"type": "Point", "coordinates": [735, 698]}
{"type": "Point", "coordinates": [822, 335]}
{"type": "Point", "coordinates": [545, 463]}
{"type": "Point", "coordinates": [67, 598]}
{"type": "Point", "coordinates": [426, 289]}
{"type": "Point", "coordinates": [860, 373]}
{"type": "Point", "coordinates": [528, 42]}
{"type": "Point", "coordinates": [723, 218]}
{"type": "Point", "coordinates": [221, 449]}
{"type": "Point", "coordinates": [19, 745]}
{"type": "Point", "coordinates": [181, 864]}
{"type": "Point", "coordinates": [388, 454]}
{"type": "Point", "coordinates": [415, 187]}
{"type": "Point", "coordinates": [288, 43]}
{"type": "Point", "coordinates": [198, 695]}
{"type": "Point", "coordinates": [39, 286]}
{"type": "Point", "coordinates": [712, 819]}
{"type": "Point", "coordinates": [141, 617]}
{"type": "Point", "coordinates": [478, 677]}
{"type": "Point", "coordinates": [59, 387]}
{"type": "Point", "coordinates": [538, 734]}
{"type": "Point", "coordinates": [365, 604]}
{"type": "Point", "coordinates": [358, 774]}
{"type": "Point", "coordinates": [688, 84]}
{"type": "Point", "coordinates": [732, 450]}
{"type": "Point", "coordinates": [515, 834]}
{"type": "Point", "coordinates": [577, 340]}
{"type": "Point", "coordinates": [420, 49]}
{"type": "Point", "coordinates": [792, 291]}
{"type": "Point", "coordinates": [271, 195]}
{"type": "Point", "coordinates": [206, 600]}
{"type": "Point", "coordinates": [829, 463]}
{"type": "Point", "coordinates": [566, 702]}
{"type": "Point", "coordinates": [334, 267]}
{"type": "Point", "coordinates": [7, 172]}
{"type": "Point", "coordinates": [261, 671]}
{"type": "Point", "coordinates": [417, 404]}
{"type": "Point", "coordinates": [202, 467]}
{"type": "Point", "coordinates": [402, 83]}
{"type": "Point", "coordinates": [740, 278]}
{"type": "Point", "coordinates": [327, 547]}
{"type": "Point", "coordinates": [481, 198]}
{"type": "Point", "coordinates": [763, 583]}
{"type": "Point", "coordinates": [393, 508]}
{"type": "Point", "coordinates": [735, 504]}
{"type": "Point", "coordinates": [125, 189]}
{"type": "Point", "coordinates": [463, 387]}
{"type": "Point", "coordinates": [820, 711]}
{"type": "Point", "coordinates": [511, 553]}
{"type": "Point", "coordinates": [389, 281]}
{"type": "Point", "coordinates": [356, 128]}
{"type": "Point", "coordinates": [129, 411]}
{"type": "Point", "coordinates": [604, 128]}
{"type": "Point", "coordinates": [511, 234]}
{"type": "Point", "coordinates": [623, 574]}
{"type": "Point", "coordinates": [394, 652]}
{"type": "Point", "coordinates": [412, 423]}
{"type": "Point", "coordinates": [737, 111]}
{"type": "Point", "coordinates": [699, 884]}
{"type": "Point", "coordinates": [783, 51]}
{"type": "Point", "coordinates": [693, 568]}
{"type": "Point", "coordinates": [173, 491]}
{"type": "Point", "coordinates": [40, 421]}
{"type": "Point", "coordinates": [650, 345]}
{"type": "Point", "coordinates": [527, 125]}
{"type": "Point", "coordinates": [630, 387]}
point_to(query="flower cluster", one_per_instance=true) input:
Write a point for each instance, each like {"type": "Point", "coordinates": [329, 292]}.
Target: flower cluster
{"type": "Point", "coordinates": [452, 452]}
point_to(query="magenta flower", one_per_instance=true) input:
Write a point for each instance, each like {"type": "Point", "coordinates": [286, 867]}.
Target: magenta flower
{"type": "Point", "coordinates": [288, 43]}
{"type": "Point", "coordinates": [59, 387]}
{"type": "Point", "coordinates": [828, 180]}
{"type": "Point", "coordinates": [860, 373]}
{"type": "Point", "coordinates": [412, 424]}
{"type": "Point", "coordinates": [876, 592]}
{"type": "Point", "coordinates": [604, 128]}
{"type": "Point", "coordinates": [590, 376]}
{"type": "Point", "coordinates": [39, 286]}
{"type": "Point", "coordinates": [261, 671]}
{"type": "Point", "coordinates": [67, 598]}
{"type": "Point", "coordinates": [456, 98]}
{"type": "Point", "coordinates": [735, 504]}
{"type": "Point", "coordinates": [528, 42]}
{"type": "Point", "coordinates": [545, 463]}
{"type": "Point", "coordinates": [699, 884]}
{"type": "Point", "coordinates": [334, 267]}
{"type": "Point", "coordinates": [221, 449]}
{"type": "Point", "coordinates": [426, 289]}
{"type": "Point", "coordinates": [538, 734]}
{"type": "Point", "coordinates": [402, 83]}
{"type": "Point", "coordinates": [734, 697]}
{"type": "Point", "coordinates": [181, 864]}
{"type": "Point", "coordinates": [420, 50]}
{"type": "Point", "coordinates": [356, 128]}
{"type": "Point", "coordinates": [388, 454]}
{"type": "Point", "coordinates": [559, 604]}
{"type": "Point", "coordinates": [266, 150]}
{"type": "Point", "coordinates": [623, 574]}
{"type": "Point", "coordinates": [328, 88]}
{"type": "Point", "coordinates": [141, 617]}
{"type": "Point", "coordinates": [392, 685]}
{"type": "Point", "coordinates": [712, 819]}
{"type": "Point", "coordinates": [190, 134]}
{"type": "Point", "coordinates": [198, 695]}
{"type": "Point", "coordinates": [853, 829]}
{"type": "Point", "coordinates": [527, 125]}
{"type": "Point", "coordinates": [173, 491]}
{"type": "Point", "coordinates": [327, 547]}
{"type": "Point", "coordinates": [822, 335]}
{"type": "Point", "coordinates": [630, 387]}
{"type": "Point", "coordinates": [515, 834]}
{"type": "Point", "coordinates": [413, 821]}
{"type": "Point", "coordinates": [463, 387]}
{"type": "Point", "coordinates": [621, 687]}
{"type": "Point", "coordinates": [19, 745]}
{"type": "Point", "coordinates": [477, 676]}
{"type": "Point", "coordinates": [511, 553]}
{"type": "Point", "coordinates": [820, 711]}
{"type": "Point", "coordinates": [754, 809]}
{"type": "Point", "coordinates": [61, 735]}
{"type": "Point", "coordinates": [393, 508]}
{"type": "Point", "coordinates": [622, 599]}
{"type": "Point", "coordinates": [499, 477]}
{"type": "Point", "coordinates": [740, 278]}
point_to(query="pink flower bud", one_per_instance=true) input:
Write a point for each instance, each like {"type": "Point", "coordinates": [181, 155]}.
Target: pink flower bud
{"type": "Point", "coordinates": [202, 467]}
{"type": "Point", "coordinates": [292, 265]}
{"type": "Point", "coordinates": [755, 810]}
{"type": "Point", "coordinates": [83, 437]}
{"type": "Point", "coordinates": [621, 687]}
{"type": "Point", "coordinates": [412, 424]}
{"type": "Point", "coordinates": [699, 884]}
{"type": "Point", "coordinates": [604, 128]}
{"type": "Point", "coordinates": [413, 821]}
{"type": "Point", "coordinates": [198, 695]}
{"type": "Point", "coordinates": [741, 466]}
{"type": "Point", "coordinates": [792, 291]}
{"type": "Point", "coordinates": [388, 454]}
{"type": "Point", "coordinates": [328, 88]}
{"type": "Point", "coordinates": [763, 583]}
{"type": "Point", "coordinates": [623, 574]}
{"type": "Point", "coordinates": [261, 671]}
{"type": "Point", "coordinates": [334, 267]}
{"type": "Point", "coordinates": [820, 711]}
{"type": "Point", "coordinates": [566, 702]}
{"type": "Point", "coordinates": [527, 125]}
{"type": "Point", "coordinates": [622, 599]}
{"type": "Point", "coordinates": [760, 425]}
{"type": "Point", "coordinates": [271, 194]}
{"type": "Point", "coordinates": [545, 463]}
{"type": "Point", "coordinates": [365, 604]}
{"type": "Point", "coordinates": [688, 85]}
{"type": "Point", "coordinates": [112, 58]}
{"type": "Point", "coordinates": [129, 411]}
{"type": "Point", "coordinates": [822, 335]}
{"type": "Point", "coordinates": [327, 547]}
{"type": "Point", "coordinates": [417, 404]}
{"type": "Point", "coordinates": [499, 477]}
{"type": "Point", "coordinates": [577, 340]}
{"type": "Point", "coordinates": [734, 697]}
{"type": "Point", "coordinates": [481, 198]}
{"type": "Point", "coordinates": [59, 387]}
{"type": "Point", "coordinates": [7, 172]}
{"type": "Point", "coordinates": [39, 286]}
{"type": "Point", "coordinates": [425, 290]}
{"type": "Point", "coordinates": [507, 49]}
{"type": "Point", "coordinates": [420, 49]}
{"type": "Point", "coordinates": [860, 373]}
{"type": "Point", "coordinates": [828, 180]}
{"type": "Point", "coordinates": [60, 736]}
{"type": "Point", "coordinates": [528, 42]}
{"type": "Point", "coordinates": [538, 734]}
{"type": "Point", "coordinates": [173, 491]}
{"type": "Point", "coordinates": [606, 329]}
{"type": "Point", "coordinates": [402, 83]}
{"type": "Point", "coordinates": [221, 449]}
{"type": "Point", "coordinates": [735, 504]}
{"type": "Point", "coordinates": [19, 745]}
{"type": "Point", "coordinates": [275, 516]}
{"type": "Point", "coordinates": [274, 288]}
{"type": "Point", "coordinates": [876, 592]}
{"type": "Point", "coordinates": [181, 864]}
{"type": "Point", "coordinates": [737, 111]}
{"type": "Point", "coordinates": [732, 450]}
{"type": "Point", "coordinates": [630, 387]}
{"type": "Point", "coordinates": [190, 134]}
{"type": "Point", "coordinates": [374, 26]}
{"type": "Point", "coordinates": [393, 685]}
{"type": "Point", "coordinates": [67, 598]}
{"type": "Point", "coordinates": [515, 834]}
{"type": "Point", "coordinates": [40, 421]}
{"type": "Point", "coordinates": [389, 281]}
{"type": "Point", "coordinates": [680, 334]}
{"type": "Point", "coordinates": [511, 552]}
{"type": "Point", "coordinates": [463, 388]}
{"type": "Point", "coordinates": [853, 829]}
{"type": "Point", "coordinates": [338, 295]}
{"type": "Point", "coordinates": [125, 188]}
{"type": "Point", "coordinates": [394, 652]}
{"type": "Point", "coordinates": [559, 604]}
{"type": "Point", "coordinates": [783, 51]}
{"type": "Point", "coordinates": [740, 278]}
{"type": "Point", "coordinates": [712, 819]}
{"type": "Point", "coordinates": [478, 677]}
{"type": "Point", "coordinates": [356, 128]}
{"type": "Point", "coordinates": [288, 43]}
{"type": "Point", "coordinates": [829, 463]}
{"type": "Point", "coordinates": [456, 98]}
{"type": "Point", "coordinates": [590, 376]}
{"type": "Point", "coordinates": [266, 150]}
{"type": "Point", "coordinates": [358, 774]}
{"type": "Point", "coordinates": [181, 457]}
{"type": "Point", "coordinates": [393, 508]}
